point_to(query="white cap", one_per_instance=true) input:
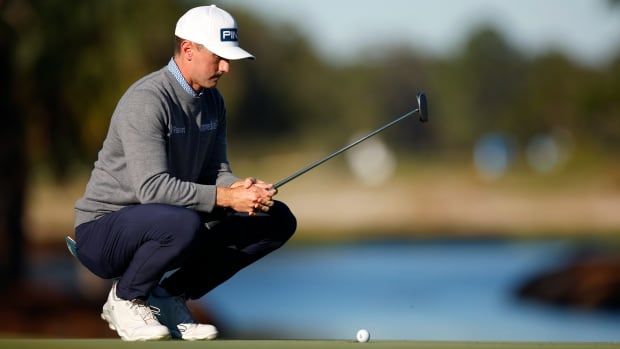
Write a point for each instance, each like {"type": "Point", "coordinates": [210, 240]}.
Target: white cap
{"type": "Point", "coordinates": [213, 28]}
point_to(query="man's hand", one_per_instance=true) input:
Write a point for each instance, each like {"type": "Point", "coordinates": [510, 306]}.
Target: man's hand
{"type": "Point", "coordinates": [250, 195]}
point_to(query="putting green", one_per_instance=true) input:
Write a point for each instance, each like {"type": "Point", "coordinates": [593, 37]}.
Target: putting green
{"type": "Point", "coordinates": [288, 344]}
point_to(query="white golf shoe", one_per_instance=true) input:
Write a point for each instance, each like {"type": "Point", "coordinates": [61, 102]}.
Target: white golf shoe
{"type": "Point", "coordinates": [172, 312]}
{"type": "Point", "coordinates": [132, 320]}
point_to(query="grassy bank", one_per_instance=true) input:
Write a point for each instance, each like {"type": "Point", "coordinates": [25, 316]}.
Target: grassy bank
{"type": "Point", "coordinates": [424, 198]}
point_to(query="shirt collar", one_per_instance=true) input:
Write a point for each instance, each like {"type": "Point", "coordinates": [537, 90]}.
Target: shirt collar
{"type": "Point", "coordinates": [174, 69]}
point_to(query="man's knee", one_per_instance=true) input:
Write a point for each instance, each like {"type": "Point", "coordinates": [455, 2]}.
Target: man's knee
{"type": "Point", "coordinates": [284, 220]}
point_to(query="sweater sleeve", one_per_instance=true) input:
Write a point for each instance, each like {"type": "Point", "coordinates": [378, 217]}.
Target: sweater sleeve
{"type": "Point", "coordinates": [142, 131]}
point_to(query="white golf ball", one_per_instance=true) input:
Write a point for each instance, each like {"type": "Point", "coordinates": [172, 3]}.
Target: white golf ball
{"type": "Point", "coordinates": [363, 336]}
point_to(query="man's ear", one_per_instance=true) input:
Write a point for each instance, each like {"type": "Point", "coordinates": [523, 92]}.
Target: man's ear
{"type": "Point", "coordinates": [187, 50]}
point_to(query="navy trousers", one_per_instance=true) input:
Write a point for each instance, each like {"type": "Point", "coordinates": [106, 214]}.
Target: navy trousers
{"type": "Point", "coordinates": [140, 243]}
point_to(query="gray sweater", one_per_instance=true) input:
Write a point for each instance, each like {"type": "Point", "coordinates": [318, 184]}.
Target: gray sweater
{"type": "Point", "coordinates": [163, 146]}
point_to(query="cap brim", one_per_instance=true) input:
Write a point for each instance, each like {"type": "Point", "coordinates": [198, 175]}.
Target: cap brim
{"type": "Point", "coordinates": [232, 53]}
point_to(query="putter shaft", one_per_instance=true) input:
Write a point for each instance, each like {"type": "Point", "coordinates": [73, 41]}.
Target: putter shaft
{"type": "Point", "coordinates": [339, 151]}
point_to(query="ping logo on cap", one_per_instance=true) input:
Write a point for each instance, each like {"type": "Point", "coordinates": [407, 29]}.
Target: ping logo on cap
{"type": "Point", "coordinates": [228, 34]}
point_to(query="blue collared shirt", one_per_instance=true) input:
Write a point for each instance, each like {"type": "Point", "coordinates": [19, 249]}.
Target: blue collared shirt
{"type": "Point", "coordinates": [174, 69]}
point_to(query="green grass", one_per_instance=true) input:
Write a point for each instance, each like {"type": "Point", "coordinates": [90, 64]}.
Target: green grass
{"type": "Point", "coordinates": [292, 344]}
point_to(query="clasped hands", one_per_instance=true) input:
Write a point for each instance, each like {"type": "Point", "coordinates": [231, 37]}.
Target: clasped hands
{"type": "Point", "coordinates": [250, 195]}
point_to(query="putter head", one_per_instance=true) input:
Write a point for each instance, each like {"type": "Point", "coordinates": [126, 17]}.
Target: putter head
{"type": "Point", "coordinates": [422, 107]}
{"type": "Point", "coordinates": [71, 246]}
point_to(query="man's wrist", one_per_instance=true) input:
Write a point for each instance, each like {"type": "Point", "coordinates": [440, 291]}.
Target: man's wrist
{"type": "Point", "coordinates": [222, 197]}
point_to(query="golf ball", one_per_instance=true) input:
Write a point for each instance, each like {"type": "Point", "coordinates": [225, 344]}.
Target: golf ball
{"type": "Point", "coordinates": [363, 336]}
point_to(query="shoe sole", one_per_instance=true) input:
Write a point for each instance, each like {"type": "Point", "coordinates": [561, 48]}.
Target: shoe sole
{"type": "Point", "coordinates": [196, 337]}
{"type": "Point", "coordinates": [210, 336]}
{"type": "Point", "coordinates": [207, 338]}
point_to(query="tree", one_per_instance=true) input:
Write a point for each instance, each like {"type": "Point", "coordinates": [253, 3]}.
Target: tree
{"type": "Point", "coordinates": [12, 157]}
{"type": "Point", "coordinates": [62, 68]}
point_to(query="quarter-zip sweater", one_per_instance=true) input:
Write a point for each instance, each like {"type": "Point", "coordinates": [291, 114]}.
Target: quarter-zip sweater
{"type": "Point", "coordinates": [163, 146]}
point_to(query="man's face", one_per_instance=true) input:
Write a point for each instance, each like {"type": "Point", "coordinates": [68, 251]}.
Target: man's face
{"type": "Point", "coordinates": [206, 67]}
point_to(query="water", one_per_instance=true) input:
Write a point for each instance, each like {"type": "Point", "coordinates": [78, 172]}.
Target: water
{"type": "Point", "coordinates": [422, 291]}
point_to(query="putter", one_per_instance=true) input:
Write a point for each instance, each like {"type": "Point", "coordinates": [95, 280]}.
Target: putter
{"type": "Point", "coordinates": [422, 109]}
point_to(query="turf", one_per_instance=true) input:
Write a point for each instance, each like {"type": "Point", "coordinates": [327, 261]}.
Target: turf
{"type": "Point", "coordinates": [292, 344]}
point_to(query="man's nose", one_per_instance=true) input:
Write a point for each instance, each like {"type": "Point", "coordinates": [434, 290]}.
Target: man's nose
{"type": "Point", "coordinates": [224, 66]}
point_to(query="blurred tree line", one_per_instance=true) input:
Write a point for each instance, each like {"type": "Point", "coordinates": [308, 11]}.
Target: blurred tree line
{"type": "Point", "coordinates": [65, 64]}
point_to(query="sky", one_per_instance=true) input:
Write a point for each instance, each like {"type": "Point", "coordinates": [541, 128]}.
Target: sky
{"type": "Point", "coordinates": [587, 30]}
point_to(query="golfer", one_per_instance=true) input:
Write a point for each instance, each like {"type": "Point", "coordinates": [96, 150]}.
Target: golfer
{"type": "Point", "coordinates": [162, 213]}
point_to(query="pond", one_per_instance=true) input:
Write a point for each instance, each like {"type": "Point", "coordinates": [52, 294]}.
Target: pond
{"type": "Point", "coordinates": [419, 290]}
